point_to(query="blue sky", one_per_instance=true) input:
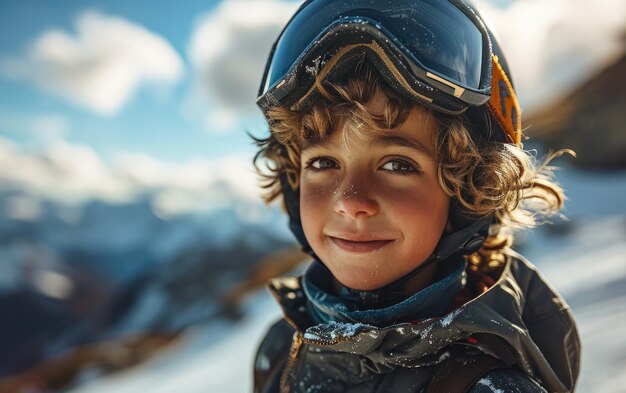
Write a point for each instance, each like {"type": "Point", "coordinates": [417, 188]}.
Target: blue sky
{"type": "Point", "coordinates": [105, 99]}
{"type": "Point", "coordinates": [151, 121]}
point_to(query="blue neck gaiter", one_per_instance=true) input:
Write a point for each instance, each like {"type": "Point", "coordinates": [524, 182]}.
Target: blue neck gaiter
{"type": "Point", "coordinates": [431, 301]}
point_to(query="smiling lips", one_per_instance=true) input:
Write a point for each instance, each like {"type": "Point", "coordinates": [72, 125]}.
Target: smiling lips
{"type": "Point", "coordinates": [359, 246]}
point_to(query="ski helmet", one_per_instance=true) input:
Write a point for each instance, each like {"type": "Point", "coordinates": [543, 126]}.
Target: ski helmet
{"type": "Point", "coordinates": [437, 53]}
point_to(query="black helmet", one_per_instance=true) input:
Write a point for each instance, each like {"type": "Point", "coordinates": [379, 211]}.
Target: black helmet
{"type": "Point", "coordinates": [438, 53]}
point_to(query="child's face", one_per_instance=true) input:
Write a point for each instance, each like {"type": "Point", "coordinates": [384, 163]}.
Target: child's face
{"type": "Point", "coordinates": [371, 205]}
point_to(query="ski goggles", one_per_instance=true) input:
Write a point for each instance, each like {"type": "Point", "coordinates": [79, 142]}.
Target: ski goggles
{"type": "Point", "coordinates": [437, 52]}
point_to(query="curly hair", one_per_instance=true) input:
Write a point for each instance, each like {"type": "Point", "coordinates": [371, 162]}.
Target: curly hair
{"type": "Point", "coordinates": [485, 177]}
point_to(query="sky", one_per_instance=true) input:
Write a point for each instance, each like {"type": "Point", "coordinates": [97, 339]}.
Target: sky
{"type": "Point", "coordinates": [124, 76]}
{"type": "Point", "coordinates": [161, 91]}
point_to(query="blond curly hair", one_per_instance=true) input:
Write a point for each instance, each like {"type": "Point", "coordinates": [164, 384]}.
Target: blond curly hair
{"type": "Point", "coordinates": [484, 176]}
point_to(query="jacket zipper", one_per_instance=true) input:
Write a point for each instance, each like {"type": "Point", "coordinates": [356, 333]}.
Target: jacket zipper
{"type": "Point", "coordinates": [296, 343]}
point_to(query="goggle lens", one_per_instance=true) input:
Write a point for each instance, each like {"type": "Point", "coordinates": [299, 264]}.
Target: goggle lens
{"type": "Point", "coordinates": [432, 33]}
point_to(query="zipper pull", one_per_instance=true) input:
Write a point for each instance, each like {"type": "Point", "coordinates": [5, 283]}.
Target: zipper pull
{"type": "Point", "coordinates": [296, 343]}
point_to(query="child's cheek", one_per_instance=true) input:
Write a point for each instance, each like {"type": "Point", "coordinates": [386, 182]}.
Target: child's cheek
{"type": "Point", "coordinates": [417, 201]}
{"type": "Point", "coordinates": [407, 192]}
{"type": "Point", "coordinates": [318, 186]}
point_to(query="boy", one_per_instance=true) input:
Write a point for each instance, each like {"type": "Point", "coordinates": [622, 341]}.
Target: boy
{"type": "Point", "coordinates": [395, 145]}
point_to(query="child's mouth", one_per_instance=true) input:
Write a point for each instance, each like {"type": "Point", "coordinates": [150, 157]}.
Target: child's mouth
{"type": "Point", "coordinates": [359, 246]}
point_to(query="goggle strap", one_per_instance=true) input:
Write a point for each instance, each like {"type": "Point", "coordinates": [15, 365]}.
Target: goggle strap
{"type": "Point", "coordinates": [503, 103]}
{"type": "Point", "coordinates": [378, 50]}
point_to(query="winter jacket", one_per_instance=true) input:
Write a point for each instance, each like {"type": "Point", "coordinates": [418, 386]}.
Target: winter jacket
{"type": "Point", "coordinates": [519, 334]}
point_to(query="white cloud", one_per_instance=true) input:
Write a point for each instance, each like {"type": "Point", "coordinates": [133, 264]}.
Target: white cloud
{"type": "Point", "coordinates": [228, 50]}
{"type": "Point", "coordinates": [39, 128]}
{"type": "Point", "coordinates": [194, 185]}
{"type": "Point", "coordinates": [101, 66]}
{"type": "Point", "coordinates": [73, 174]}
{"type": "Point", "coordinates": [553, 45]}
{"type": "Point", "coordinates": [194, 175]}
{"type": "Point", "coordinates": [62, 172]}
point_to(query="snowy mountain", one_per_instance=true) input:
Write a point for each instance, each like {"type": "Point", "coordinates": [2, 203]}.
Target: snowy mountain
{"type": "Point", "coordinates": [118, 268]}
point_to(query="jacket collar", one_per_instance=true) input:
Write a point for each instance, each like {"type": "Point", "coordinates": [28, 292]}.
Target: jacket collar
{"type": "Point", "coordinates": [517, 311]}
{"type": "Point", "coordinates": [325, 305]}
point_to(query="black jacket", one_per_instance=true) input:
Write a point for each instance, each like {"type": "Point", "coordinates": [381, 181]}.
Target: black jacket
{"type": "Point", "coordinates": [520, 333]}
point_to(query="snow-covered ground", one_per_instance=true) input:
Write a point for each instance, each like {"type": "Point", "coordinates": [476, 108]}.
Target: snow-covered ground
{"type": "Point", "coordinates": [216, 357]}
{"type": "Point", "coordinates": [588, 267]}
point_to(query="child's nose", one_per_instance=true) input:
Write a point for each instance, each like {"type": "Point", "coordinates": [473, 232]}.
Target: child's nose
{"type": "Point", "coordinates": [355, 199]}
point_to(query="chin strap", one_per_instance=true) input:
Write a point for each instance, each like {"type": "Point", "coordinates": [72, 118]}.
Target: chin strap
{"type": "Point", "coordinates": [466, 240]}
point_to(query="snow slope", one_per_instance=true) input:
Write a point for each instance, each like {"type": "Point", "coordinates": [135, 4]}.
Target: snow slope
{"type": "Point", "coordinates": [216, 357]}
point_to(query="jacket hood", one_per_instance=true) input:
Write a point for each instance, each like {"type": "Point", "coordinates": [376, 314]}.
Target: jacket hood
{"type": "Point", "coordinates": [520, 319]}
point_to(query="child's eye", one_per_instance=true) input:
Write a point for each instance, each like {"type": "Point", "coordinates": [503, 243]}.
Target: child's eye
{"type": "Point", "coordinates": [321, 163]}
{"type": "Point", "coordinates": [399, 166]}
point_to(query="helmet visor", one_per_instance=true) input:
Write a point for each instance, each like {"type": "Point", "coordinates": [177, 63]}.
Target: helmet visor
{"type": "Point", "coordinates": [432, 34]}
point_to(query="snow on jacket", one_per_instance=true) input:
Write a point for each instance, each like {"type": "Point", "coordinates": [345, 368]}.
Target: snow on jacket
{"type": "Point", "coordinates": [520, 320]}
